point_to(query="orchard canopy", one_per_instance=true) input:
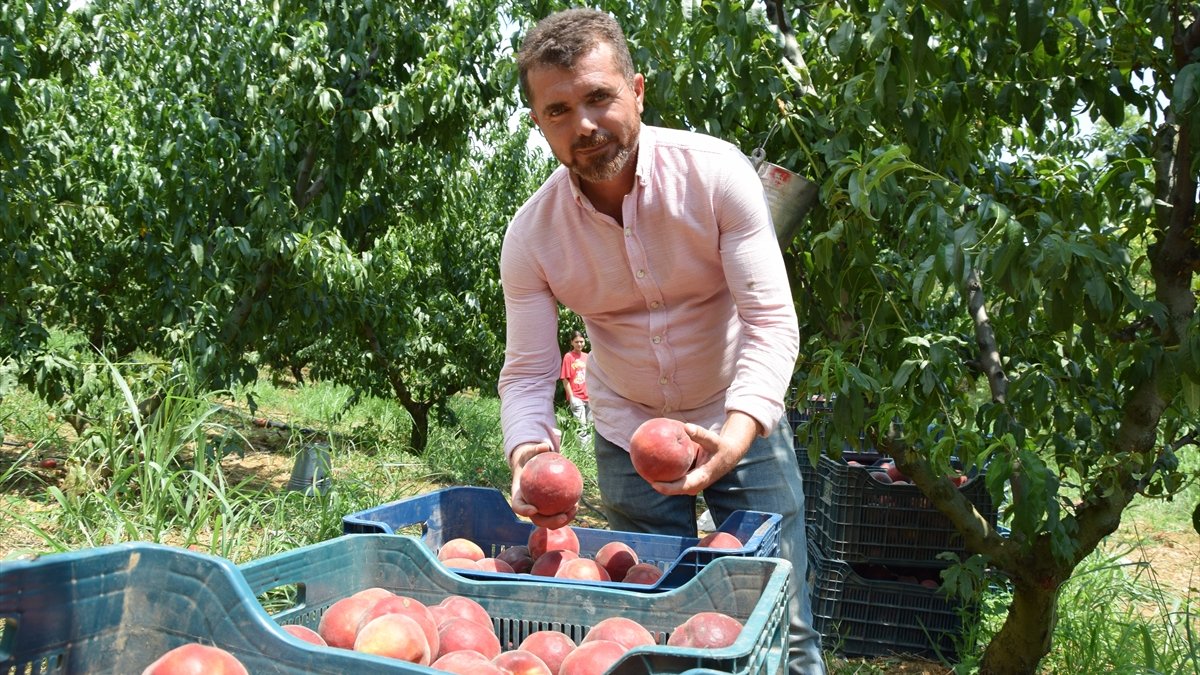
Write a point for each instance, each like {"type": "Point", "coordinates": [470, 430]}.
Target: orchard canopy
{"type": "Point", "coordinates": [1002, 265]}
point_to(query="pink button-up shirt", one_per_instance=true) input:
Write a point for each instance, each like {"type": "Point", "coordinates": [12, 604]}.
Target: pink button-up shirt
{"type": "Point", "coordinates": [687, 306]}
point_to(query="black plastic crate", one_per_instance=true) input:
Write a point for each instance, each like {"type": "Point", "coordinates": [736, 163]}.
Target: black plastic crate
{"type": "Point", "coordinates": [871, 610]}
{"type": "Point", "coordinates": [860, 519]}
{"type": "Point", "coordinates": [798, 417]}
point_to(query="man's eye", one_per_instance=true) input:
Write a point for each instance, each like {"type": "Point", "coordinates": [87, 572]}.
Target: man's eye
{"type": "Point", "coordinates": [555, 112]}
{"type": "Point", "coordinates": [596, 99]}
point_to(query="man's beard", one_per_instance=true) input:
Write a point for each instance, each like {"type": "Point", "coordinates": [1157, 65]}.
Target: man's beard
{"type": "Point", "coordinates": [607, 165]}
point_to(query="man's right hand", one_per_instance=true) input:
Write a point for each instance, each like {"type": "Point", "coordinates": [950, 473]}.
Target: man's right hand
{"type": "Point", "coordinates": [516, 461]}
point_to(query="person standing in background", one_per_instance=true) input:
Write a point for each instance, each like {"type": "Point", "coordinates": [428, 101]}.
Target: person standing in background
{"type": "Point", "coordinates": [574, 378]}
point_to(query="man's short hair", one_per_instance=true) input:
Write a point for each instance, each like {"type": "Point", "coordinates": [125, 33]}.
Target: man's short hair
{"type": "Point", "coordinates": [559, 40]}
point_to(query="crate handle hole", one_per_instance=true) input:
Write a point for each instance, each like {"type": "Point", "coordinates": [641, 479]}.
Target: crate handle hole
{"type": "Point", "coordinates": [8, 636]}
{"type": "Point", "coordinates": [279, 599]}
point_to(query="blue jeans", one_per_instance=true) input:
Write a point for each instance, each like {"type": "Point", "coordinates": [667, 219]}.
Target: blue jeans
{"type": "Point", "coordinates": [767, 479]}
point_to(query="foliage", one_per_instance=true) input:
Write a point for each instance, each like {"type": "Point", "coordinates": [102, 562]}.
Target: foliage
{"type": "Point", "coordinates": [247, 184]}
{"type": "Point", "coordinates": [1011, 289]}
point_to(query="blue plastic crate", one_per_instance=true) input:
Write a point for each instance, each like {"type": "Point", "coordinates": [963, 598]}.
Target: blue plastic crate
{"type": "Point", "coordinates": [116, 609]}
{"type": "Point", "coordinates": [483, 516]}
{"type": "Point", "coordinates": [751, 590]}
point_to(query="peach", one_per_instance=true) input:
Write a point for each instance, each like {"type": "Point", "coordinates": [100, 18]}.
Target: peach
{"type": "Point", "coordinates": [625, 632]}
{"type": "Point", "coordinates": [643, 573]}
{"type": "Point", "coordinates": [517, 557]}
{"type": "Point", "coordinates": [396, 636]}
{"type": "Point", "coordinates": [722, 540]}
{"type": "Point", "coordinates": [584, 569]}
{"type": "Point", "coordinates": [466, 662]}
{"type": "Point", "coordinates": [460, 606]}
{"type": "Point", "coordinates": [495, 565]}
{"type": "Point", "coordinates": [461, 564]}
{"type": "Point", "coordinates": [196, 658]}
{"type": "Point", "coordinates": [460, 548]}
{"type": "Point", "coordinates": [894, 472]}
{"type": "Point", "coordinates": [550, 645]}
{"type": "Point", "coordinates": [661, 450]}
{"type": "Point", "coordinates": [551, 483]}
{"type": "Point", "coordinates": [305, 633]}
{"type": "Point", "coordinates": [548, 563]}
{"type": "Point", "coordinates": [459, 633]}
{"type": "Point", "coordinates": [706, 630]}
{"type": "Point", "coordinates": [339, 624]}
{"type": "Point", "coordinates": [410, 607]}
{"type": "Point", "coordinates": [593, 658]}
{"type": "Point", "coordinates": [616, 557]}
{"type": "Point", "coordinates": [543, 539]}
{"type": "Point", "coordinates": [519, 662]}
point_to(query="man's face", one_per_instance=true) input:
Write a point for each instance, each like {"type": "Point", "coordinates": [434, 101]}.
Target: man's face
{"type": "Point", "coordinates": [590, 115]}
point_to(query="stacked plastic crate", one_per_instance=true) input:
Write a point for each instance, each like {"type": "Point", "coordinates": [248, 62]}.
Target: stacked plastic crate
{"type": "Point", "coordinates": [874, 542]}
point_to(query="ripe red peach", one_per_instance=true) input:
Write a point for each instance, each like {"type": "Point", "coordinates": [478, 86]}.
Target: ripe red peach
{"type": "Point", "coordinates": [548, 563]}
{"type": "Point", "coordinates": [722, 540]}
{"type": "Point", "coordinates": [584, 569]}
{"type": "Point", "coordinates": [625, 632]}
{"type": "Point", "coordinates": [643, 573]}
{"type": "Point", "coordinates": [339, 624]}
{"type": "Point", "coordinates": [460, 606]}
{"type": "Point", "coordinates": [410, 607]}
{"type": "Point", "coordinates": [466, 662]}
{"type": "Point", "coordinates": [616, 557]}
{"type": "Point", "coordinates": [706, 630]}
{"type": "Point", "coordinates": [593, 658]}
{"type": "Point", "coordinates": [519, 662]}
{"type": "Point", "coordinates": [196, 658]}
{"type": "Point", "coordinates": [460, 633]}
{"type": "Point", "coordinates": [550, 645]}
{"type": "Point", "coordinates": [518, 557]}
{"type": "Point", "coordinates": [305, 633]}
{"type": "Point", "coordinates": [460, 548]}
{"type": "Point", "coordinates": [551, 483]}
{"type": "Point", "coordinates": [661, 450]}
{"type": "Point", "coordinates": [495, 565]}
{"type": "Point", "coordinates": [542, 539]}
{"type": "Point", "coordinates": [395, 636]}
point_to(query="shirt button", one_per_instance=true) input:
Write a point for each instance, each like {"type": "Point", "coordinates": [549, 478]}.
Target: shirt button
{"type": "Point", "coordinates": [628, 232]}
{"type": "Point", "coordinates": [655, 305]}
{"type": "Point", "coordinates": [641, 273]}
{"type": "Point", "coordinates": [662, 380]}
{"type": "Point", "coordinates": [656, 339]}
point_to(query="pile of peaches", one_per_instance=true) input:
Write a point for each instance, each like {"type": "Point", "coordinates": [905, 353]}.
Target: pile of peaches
{"type": "Point", "coordinates": [456, 636]}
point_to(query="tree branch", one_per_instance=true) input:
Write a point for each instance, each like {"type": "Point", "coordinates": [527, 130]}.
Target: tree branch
{"type": "Point", "coordinates": [985, 339]}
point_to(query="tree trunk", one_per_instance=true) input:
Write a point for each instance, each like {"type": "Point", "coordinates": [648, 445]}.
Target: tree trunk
{"type": "Point", "coordinates": [1024, 639]}
{"type": "Point", "coordinates": [419, 438]}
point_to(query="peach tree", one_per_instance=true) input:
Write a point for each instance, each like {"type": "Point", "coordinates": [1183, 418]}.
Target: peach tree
{"type": "Point", "coordinates": [233, 185]}
{"type": "Point", "coordinates": [1003, 265]}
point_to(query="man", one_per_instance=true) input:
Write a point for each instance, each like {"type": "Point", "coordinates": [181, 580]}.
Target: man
{"type": "Point", "coordinates": [574, 379]}
{"type": "Point", "coordinates": [661, 241]}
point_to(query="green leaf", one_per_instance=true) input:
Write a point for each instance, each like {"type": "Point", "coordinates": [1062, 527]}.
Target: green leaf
{"type": "Point", "coordinates": [1185, 95]}
{"type": "Point", "coordinates": [196, 245]}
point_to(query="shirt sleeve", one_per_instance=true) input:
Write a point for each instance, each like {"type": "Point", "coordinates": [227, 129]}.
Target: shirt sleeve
{"type": "Point", "coordinates": [758, 281]}
{"type": "Point", "coordinates": [531, 359]}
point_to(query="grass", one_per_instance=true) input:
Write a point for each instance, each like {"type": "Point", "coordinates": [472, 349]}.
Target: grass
{"type": "Point", "coordinates": [177, 478]}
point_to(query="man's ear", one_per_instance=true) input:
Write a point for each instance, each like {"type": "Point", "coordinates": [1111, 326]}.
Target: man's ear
{"type": "Point", "coordinates": [533, 116]}
{"type": "Point", "coordinates": [639, 91]}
